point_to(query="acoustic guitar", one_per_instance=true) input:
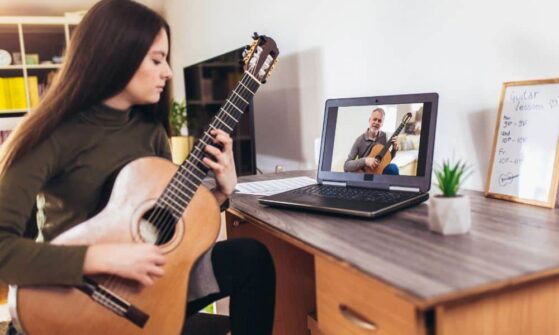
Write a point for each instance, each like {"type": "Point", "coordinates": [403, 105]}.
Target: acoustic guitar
{"type": "Point", "coordinates": [170, 209]}
{"type": "Point", "coordinates": [380, 152]}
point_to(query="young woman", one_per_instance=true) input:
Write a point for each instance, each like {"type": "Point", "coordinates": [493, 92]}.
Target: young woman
{"type": "Point", "coordinates": [109, 106]}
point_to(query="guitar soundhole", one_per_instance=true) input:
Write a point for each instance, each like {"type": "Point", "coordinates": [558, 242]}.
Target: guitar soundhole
{"type": "Point", "coordinates": [157, 226]}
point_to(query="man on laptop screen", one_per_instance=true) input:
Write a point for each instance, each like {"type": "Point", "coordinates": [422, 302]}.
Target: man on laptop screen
{"type": "Point", "coordinates": [372, 173]}
{"type": "Point", "coordinates": [377, 135]}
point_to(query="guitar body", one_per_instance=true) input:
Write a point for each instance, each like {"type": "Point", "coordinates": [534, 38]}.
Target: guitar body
{"type": "Point", "coordinates": [43, 310]}
{"type": "Point", "coordinates": [386, 159]}
{"type": "Point", "coordinates": [380, 152]}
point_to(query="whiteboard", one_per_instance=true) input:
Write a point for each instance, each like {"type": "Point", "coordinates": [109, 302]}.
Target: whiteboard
{"type": "Point", "coordinates": [525, 159]}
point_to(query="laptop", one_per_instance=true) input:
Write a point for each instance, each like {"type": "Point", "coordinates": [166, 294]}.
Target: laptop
{"type": "Point", "coordinates": [359, 171]}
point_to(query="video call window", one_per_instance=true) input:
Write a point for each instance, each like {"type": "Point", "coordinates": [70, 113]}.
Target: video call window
{"type": "Point", "coordinates": [364, 132]}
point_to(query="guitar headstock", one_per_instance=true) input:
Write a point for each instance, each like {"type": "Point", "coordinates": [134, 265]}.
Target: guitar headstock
{"type": "Point", "coordinates": [260, 58]}
{"type": "Point", "coordinates": [406, 118]}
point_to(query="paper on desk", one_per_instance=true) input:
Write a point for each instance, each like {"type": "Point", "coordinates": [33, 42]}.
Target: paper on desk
{"type": "Point", "coordinates": [270, 187]}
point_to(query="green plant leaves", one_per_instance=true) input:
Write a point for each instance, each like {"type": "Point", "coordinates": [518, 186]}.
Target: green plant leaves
{"type": "Point", "coordinates": [178, 116]}
{"type": "Point", "coordinates": [450, 177]}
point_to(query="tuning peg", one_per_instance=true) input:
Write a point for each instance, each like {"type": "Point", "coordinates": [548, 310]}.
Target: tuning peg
{"type": "Point", "coordinates": [248, 53]}
{"type": "Point", "coordinates": [255, 36]}
{"type": "Point", "coordinates": [245, 51]}
{"type": "Point", "coordinates": [270, 70]}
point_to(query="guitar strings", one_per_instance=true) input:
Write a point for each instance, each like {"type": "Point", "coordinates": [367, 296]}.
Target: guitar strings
{"type": "Point", "coordinates": [165, 215]}
{"type": "Point", "coordinates": [162, 216]}
{"type": "Point", "coordinates": [233, 101]}
{"type": "Point", "coordinates": [184, 178]}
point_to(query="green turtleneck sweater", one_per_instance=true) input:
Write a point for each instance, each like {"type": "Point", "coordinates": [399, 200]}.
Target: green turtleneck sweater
{"type": "Point", "coordinates": [71, 169]}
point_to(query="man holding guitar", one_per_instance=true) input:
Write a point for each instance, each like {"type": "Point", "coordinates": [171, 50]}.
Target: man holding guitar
{"type": "Point", "coordinates": [107, 114]}
{"type": "Point", "coordinates": [357, 158]}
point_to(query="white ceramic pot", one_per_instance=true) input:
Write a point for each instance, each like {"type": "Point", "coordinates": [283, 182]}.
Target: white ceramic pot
{"type": "Point", "coordinates": [449, 216]}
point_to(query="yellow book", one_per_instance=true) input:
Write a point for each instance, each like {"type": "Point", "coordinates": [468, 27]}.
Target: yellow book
{"type": "Point", "coordinates": [33, 85]}
{"type": "Point", "coordinates": [17, 92]}
{"type": "Point", "coordinates": [3, 102]}
{"type": "Point", "coordinates": [6, 94]}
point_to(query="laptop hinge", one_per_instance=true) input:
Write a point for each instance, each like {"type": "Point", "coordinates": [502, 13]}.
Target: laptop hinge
{"type": "Point", "coordinates": [362, 184]}
{"type": "Point", "coordinates": [405, 189]}
{"type": "Point", "coordinates": [334, 183]}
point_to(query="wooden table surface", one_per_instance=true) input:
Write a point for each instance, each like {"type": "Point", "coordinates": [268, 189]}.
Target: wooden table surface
{"type": "Point", "coordinates": [509, 243]}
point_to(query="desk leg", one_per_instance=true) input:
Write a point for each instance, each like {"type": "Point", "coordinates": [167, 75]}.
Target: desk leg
{"type": "Point", "coordinates": [295, 286]}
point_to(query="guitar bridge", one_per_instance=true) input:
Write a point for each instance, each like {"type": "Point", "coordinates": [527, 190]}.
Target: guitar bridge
{"type": "Point", "coordinates": [112, 302]}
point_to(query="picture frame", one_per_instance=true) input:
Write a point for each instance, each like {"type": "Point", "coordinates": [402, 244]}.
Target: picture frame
{"type": "Point", "coordinates": [524, 163]}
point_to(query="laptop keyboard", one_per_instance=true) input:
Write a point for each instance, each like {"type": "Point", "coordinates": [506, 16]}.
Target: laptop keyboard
{"type": "Point", "coordinates": [355, 193]}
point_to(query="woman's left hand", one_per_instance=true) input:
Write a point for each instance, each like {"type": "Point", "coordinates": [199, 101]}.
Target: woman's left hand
{"type": "Point", "coordinates": [223, 166]}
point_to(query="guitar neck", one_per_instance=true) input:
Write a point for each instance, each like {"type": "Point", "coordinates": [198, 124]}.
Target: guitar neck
{"type": "Point", "coordinates": [193, 170]}
{"type": "Point", "coordinates": [389, 141]}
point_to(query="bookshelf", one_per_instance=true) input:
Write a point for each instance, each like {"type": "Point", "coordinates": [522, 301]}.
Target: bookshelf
{"type": "Point", "coordinates": [36, 45]}
{"type": "Point", "coordinates": [207, 85]}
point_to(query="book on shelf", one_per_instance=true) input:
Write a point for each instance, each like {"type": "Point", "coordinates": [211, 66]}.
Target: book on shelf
{"type": "Point", "coordinates": [13, 95]}
{"type": "Point", "coordinates": [5, 97]}
{"type": "Point", "coordinates": [17, 93]}
{"type": "Point", "coordinates": [33, 85]}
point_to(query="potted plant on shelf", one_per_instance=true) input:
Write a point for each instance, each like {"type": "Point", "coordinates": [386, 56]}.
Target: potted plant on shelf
{"type": "Point", "coordinates": [181, 143]}
{"type": "Point", "coordinates": [449, 213]}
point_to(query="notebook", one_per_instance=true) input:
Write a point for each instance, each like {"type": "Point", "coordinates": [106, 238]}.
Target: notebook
{"type": "Point", "coordinates": [376, 157]}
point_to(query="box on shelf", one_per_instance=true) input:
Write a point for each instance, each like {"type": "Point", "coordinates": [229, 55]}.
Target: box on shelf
{"type": "Point", "coordinates": [32, 59]}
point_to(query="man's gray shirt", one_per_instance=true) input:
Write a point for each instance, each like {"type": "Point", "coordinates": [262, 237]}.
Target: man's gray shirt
{"type": "Point", "coordinates": [361, 148]}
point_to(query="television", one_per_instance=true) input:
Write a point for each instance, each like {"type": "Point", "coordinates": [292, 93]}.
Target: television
{"type": "Point", "coordinates": [207, 84]}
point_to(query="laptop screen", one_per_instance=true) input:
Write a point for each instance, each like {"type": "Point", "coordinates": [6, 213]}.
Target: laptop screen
{"type": "Point", "coordinates": [379, 141]}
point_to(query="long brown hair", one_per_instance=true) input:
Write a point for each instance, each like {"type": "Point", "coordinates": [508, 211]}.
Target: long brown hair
{"type": "Point", "coordinates": [105, 51]}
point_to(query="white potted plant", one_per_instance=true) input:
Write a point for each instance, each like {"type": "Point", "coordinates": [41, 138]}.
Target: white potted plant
{"type": "Point", "coordinates": [181, 143]}
{"type": "Point", "coordinates": [449, 212]}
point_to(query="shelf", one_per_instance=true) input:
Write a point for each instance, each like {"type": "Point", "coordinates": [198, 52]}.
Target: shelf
{"type": "Point", "coordinates": [8, 123]}
{"type": "Point", "coordinates": [43, 38]}
{"type": "Point", "coordinates": [12, 67]}
{"type": "Point", "coordinates": [32, 67]}
{"type": "Point", "coordinates": [200, 102]}
{"type": "Point", "coordinates": [44, 66]}
{"type": "Point", "coordinates": [13, 111]}
{"type": "Point", "coordinates": [222, 64]}
{"type": "Point", "coordinates": [240, 138]}
{"type": "Point", "coordinates": [41, 20]}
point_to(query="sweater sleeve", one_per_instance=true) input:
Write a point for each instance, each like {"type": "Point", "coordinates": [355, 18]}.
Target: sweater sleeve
{"type": "Point", "coordinates": [24, 261]}
{"type": "Point", "coordinates": [352, 164]}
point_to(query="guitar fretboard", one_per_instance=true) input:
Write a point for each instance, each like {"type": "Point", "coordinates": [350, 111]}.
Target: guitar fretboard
{"type": "Point", "coordinates": [389, 141]}
{"type": "Point", "coordinates": [185, 182]}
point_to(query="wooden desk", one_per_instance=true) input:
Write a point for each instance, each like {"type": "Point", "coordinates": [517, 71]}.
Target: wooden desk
{"type": "Point", "coordinates": [393, 276]}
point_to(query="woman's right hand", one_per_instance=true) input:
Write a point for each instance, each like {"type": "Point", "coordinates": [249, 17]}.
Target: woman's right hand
{"type": "Point", "coordinates": [137, 261]}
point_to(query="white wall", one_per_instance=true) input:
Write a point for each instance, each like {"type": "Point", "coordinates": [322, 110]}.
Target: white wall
{"type": "Point", "coordinates": [461, 49]}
